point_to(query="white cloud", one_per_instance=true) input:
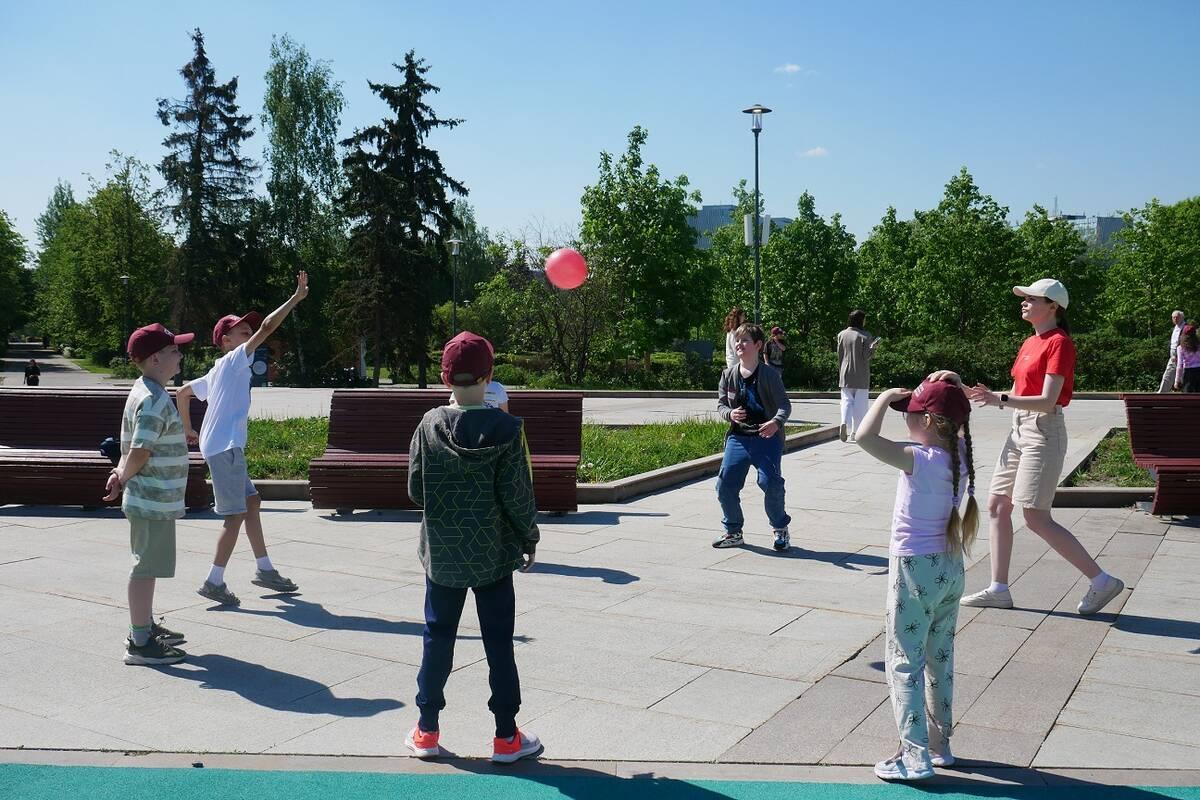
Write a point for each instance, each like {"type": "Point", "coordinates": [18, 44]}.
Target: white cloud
{"type": "Point", "coordinates": [816, 152]}
{"type": "Point", "coordinates": [789, 69]}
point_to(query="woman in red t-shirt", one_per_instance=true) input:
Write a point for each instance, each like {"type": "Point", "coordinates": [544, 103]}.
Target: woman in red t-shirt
{"type": "Point", "coordinates": [1031, 460]}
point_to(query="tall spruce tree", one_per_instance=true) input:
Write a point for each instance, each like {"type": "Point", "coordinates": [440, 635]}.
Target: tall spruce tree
{"type": "Point", "coordinates": [208, 183]}
{"type": "Point", "coordinates": [49, 221]}
{"type": "Point", "coordinates": [397, 200]}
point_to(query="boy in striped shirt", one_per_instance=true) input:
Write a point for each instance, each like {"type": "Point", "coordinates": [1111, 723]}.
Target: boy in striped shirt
{"type": "Point", "coordinates": [152, 477]}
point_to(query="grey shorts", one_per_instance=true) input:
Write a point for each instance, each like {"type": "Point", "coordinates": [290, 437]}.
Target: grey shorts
{"type": "Point", "coordinates": [231, 481]}
{"type": "Point", "coordinates": [152, 545]}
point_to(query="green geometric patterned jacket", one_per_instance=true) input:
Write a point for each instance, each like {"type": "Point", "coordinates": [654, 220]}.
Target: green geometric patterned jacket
{"type": "Point", "coordinates": [469, 469]}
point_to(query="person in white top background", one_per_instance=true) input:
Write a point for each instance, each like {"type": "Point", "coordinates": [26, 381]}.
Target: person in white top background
{"type": "Point", "coordinates": [222, 440]}
{"type": "Point", "coordinates": [733, 320]}
{"type": "Point", "coordinates": [1168, 378]}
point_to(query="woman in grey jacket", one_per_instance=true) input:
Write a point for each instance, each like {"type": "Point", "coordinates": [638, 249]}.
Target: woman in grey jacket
{"type": "Point", "coordinates": [752, 399]}
{"type": "Point", "coordinates": [854, 347]}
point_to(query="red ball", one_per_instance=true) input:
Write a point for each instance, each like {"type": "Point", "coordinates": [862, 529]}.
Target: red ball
{"type": "Point", "coordinates": [566, 269]}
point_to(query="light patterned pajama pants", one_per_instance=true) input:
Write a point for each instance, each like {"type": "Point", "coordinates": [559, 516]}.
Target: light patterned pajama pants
{"type": "Point", "coordinates": [922, 612]}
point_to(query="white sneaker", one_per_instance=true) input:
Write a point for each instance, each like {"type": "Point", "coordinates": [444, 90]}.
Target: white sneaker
{"type": "Point", "coordinates": [987, 599]}
{"type": "Point", "coordinates": [1095, 600]}
{"type": "Point", "coordinates": [942, 759]}
{"type": "Point", "coordinates": [903, 768]}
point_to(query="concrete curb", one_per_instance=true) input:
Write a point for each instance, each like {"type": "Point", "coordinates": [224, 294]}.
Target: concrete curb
{"type": "Point", "coordinates": [612, 492]}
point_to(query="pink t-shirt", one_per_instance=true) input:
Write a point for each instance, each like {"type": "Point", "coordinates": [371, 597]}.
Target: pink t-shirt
{"type": "Point", "coordinates": [924, 500]}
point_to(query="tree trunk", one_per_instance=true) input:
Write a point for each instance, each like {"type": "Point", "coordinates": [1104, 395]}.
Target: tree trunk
{"type": "Point", "coordinates": [378, 337]}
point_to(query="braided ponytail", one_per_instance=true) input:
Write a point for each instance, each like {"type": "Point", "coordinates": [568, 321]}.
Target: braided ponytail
{"type": "Point", "coordinates": [960, 529]}
{"type": "Point", "coordinates": [970, 520]}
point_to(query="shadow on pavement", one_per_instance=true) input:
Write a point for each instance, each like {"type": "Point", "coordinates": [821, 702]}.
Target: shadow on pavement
{"type": "Point", "coordinates": [272, 688]}
{"type": "Point", "coordinates": [596, 517]}
{"type": "Point", "coordinates": [851, 561]}
{"type": "Point", "coordinates": [582, 783]}
{"type": "Point", "coordinates": [615, 576]}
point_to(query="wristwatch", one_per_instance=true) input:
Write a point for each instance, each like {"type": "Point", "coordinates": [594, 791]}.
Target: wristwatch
{"type": "Point", "coordinates": [1003, 400]}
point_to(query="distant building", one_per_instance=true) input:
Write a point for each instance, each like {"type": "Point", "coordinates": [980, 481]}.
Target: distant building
{"type": "Point", "coordinates": [718, 216]}
{"type": "Point", "coordinates": [1096, 231]}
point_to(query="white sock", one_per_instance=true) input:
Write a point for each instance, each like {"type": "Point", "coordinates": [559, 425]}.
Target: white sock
{"type": "Point", "coordinates": [1101, 580]}
{"type": "Point", "coordinates": [998, 587]}
{"type": "Point", "coordinates": [216, 575]}
{"type": "Point", "coordinates": [264, 563]}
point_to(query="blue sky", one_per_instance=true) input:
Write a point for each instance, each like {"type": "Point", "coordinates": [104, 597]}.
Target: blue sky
{"type": "Point", "coordinates": [876, 104]}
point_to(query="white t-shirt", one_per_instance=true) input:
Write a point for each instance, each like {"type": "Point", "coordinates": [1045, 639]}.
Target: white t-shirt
{"type": "Point", "coordinates": [731, 356]}
{"type": "Point", "coordinates": [494, 395]}
{"type": "Point", "coordinates": [924, 501]}
{"type": "Point", "coordinates": [226, 387]}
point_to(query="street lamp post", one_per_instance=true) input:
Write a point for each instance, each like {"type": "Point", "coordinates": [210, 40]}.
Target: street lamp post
{"type": "Point", "coordinates": [756, 112]}
{"type": "Point", "coordinates": [125, 285]}
{"type": "Point", "coordinates": [455, 244]}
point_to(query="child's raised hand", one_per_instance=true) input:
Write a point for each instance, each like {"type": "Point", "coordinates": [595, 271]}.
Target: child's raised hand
{"type": "Point", "coordinates": [896, 393]}
{"type": "Point", "coordinates": [945, 375]}
{"type": "Point", "coordinates": [301, 285]}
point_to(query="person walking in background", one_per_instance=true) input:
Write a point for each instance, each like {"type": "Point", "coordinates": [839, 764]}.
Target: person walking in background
{"type": "Point", "coordinates": [1187, 371]}
{"type": "Point", "coordinates": [1168, 378]}
{"type": "Point", "coordinates": [855, 347]}
{"type": "Point", "coordinates": [33, 373]}
{"type": "Point", "coordinates": [776, 345]}
{"type": "Point", "coordinates": [733, 320]}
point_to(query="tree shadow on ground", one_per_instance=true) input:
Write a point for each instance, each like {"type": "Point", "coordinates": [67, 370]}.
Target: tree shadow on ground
{"type": "Point", "coordinates": [614, 576]}
{"type": "Point", "coordinates": [273, 688]}
{"type": "Point", "coordinates": [314, 615]}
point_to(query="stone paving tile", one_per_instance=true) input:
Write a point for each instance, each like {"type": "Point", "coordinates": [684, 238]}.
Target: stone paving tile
{"type": "Point", "coordinates": [21, 730]}
{"type": "Point", "coordinates": [1035, 594]}
{"type": "Point", "coordinates": [624, 635]}
{"type": "Point", "coordinates": [867, 664]}
{"type": "Point", "coordinates": [1146, 713]}
{"type": "Point", "coordinates": [980, 745]}
{"type": "Point", "coordinates": [810, 727]}
{"type": "Point", "coordinates": [773, 656]}
{"type": "Point", "coordinates": [1024, 697]}
{"type": "Point", "coordinates": [982, 649]}
{"type": "Point", "coordinates": [873, 740]}
{"type": "Point", "coordinates": [589, 729]}
{"type": "Point", "coordinates": [1131, 544]}
{"type": "Point", "coordinates": [852, 632]}
{"type": "Point", "coordinates": [1064, 644]}
{"type": "Point", "coordinates": [752, 616]}
{"type": "Point", "coordinates": [1080, 747]}
{"type": "Point", "coordinates": [736, 698]}
{"type": "Point", "coordinates": [1114, 665]}
{"type": "Point", "coordinates": [601, 675]}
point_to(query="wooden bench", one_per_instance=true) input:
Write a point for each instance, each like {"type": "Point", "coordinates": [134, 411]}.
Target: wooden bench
{"type": "Point", "coordinates": [365, 463]}
{"type": "Point", "coordinates": [1164, 435]}
{"type": "Point", "coordinates": [50, 446]}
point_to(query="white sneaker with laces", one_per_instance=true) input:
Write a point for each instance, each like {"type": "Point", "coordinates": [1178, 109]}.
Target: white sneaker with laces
{"type": "Point", "coordinates": [1095, 600]}
{"type": "Point", "coordinates": [987, 599]}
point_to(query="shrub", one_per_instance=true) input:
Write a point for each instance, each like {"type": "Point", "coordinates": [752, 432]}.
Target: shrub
{"type": "Point", "coordinates": [123, 368]}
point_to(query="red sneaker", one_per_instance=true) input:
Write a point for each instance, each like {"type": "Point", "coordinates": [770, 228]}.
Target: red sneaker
{"type": "Point", "coordinates": [424, 744]}
{"type": "Point", "coordinates": [523, 745]}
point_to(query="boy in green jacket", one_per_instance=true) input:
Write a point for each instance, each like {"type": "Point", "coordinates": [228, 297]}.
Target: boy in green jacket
{"type": "Point", "coordinates": [469, 469]}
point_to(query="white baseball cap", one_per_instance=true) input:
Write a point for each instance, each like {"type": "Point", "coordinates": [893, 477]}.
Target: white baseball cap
{"type": "Point", "coordinates": [1047, 288]}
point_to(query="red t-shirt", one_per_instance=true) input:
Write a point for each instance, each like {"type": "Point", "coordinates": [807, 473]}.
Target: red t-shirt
{"type": "Point", "coordinates": [1049, 353]}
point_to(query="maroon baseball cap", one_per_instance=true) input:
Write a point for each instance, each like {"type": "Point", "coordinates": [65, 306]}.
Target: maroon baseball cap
{"type": "Point", "coordinates": [230, 321]}
{"type": "Point", "coordinates": [943, 398]}
{"type": "Point", "coordinates": [146, 341]}
{"type": "Point", "coordinates": [466, 359]}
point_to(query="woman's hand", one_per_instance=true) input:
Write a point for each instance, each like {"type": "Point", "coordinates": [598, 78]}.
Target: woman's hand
{"type": "Point", "coordinates": [945, 375]}
{"type": "Point", "coordinates": [982, 395]}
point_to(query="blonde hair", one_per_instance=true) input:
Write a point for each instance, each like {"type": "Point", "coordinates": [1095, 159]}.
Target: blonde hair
{"type": "Point", "coordinates": [960, 530]}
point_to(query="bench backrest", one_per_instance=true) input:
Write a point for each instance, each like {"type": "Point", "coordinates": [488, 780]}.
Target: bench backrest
{"type": "Point", "coordinates": [66, 419]}
{"type": "Point", "coordinates": [1163, 425]}
{"type": "Point", "coordinates": [383, 420]}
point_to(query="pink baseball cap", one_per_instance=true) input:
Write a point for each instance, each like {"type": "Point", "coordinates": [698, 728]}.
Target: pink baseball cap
{"type": "Point", "coordinates": [148, 340]}
{"type": "Point", "coordinates": [230, 321]}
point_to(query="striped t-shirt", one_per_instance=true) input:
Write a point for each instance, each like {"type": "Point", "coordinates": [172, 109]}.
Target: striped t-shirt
{"type": "Point", "coordinates": [151, 422]}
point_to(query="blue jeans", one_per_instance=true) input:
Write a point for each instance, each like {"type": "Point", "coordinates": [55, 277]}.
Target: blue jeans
{"type": "Point", "coordinates": [496, 605]}
{"type": "Point", "coordinates": [764, 454]}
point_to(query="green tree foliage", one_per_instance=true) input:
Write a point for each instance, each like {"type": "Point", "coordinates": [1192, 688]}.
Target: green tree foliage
{"type": "Point", "coordinates": [1155, 262]}
{"type": "Point", "coordinates": [886, 263]}
{"type": "Point", "coordinates": [302, 109]}
{"type": "Point", "coordinates": [81, 298]}
{"type": "Point", "coordinates": [732, 265]}
{"type": "Point", "coordinates": [208, 190]}
{"type": "Point", "coordinates": [635, 234]}
{"type": "Point", "coordinates": [49, 220]}
{"type": "Point", "coordinates": [14, 298]}
{"type": "Point", "coordinates": [1053, 248]}
{"type": "Point", "coordinates": [397, 202]}
{"type": "Point", "coordinates": [807, 268]}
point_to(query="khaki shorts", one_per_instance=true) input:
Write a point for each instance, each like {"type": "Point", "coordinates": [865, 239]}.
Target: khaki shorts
{"type": "Point", "coordinates": [152, 543]}
{"type": "Point", "coordinates": [1031, 460]}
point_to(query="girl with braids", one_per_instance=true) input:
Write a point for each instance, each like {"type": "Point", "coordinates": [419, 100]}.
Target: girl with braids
{"type": "Point", "coordinates": [925, 568]}
{"type": "Point", "coordinates": [1031, 460]}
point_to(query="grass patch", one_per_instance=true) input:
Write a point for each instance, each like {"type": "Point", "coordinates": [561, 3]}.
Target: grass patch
{"type": "Point", "coordinates": [91, 366]}
{"type": "Point", "coordinates": [1113, 465]}
{"type": "Point", "coordinates": [610, 454]}
{"type": "Point", "coordinates": [282, 448]}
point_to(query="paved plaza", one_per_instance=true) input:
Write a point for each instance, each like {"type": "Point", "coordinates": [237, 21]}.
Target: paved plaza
{"type": "Point", "coordinates": [636, 641]}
